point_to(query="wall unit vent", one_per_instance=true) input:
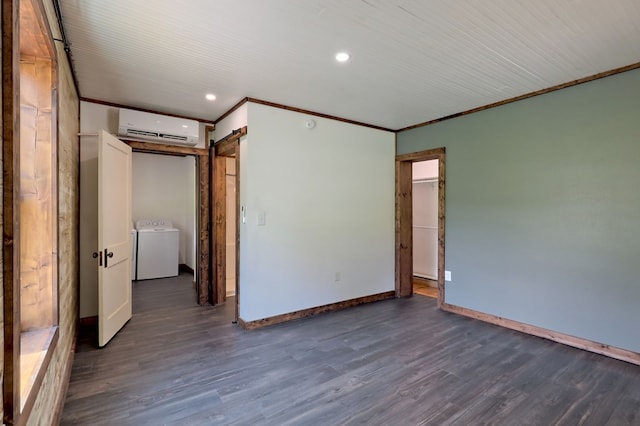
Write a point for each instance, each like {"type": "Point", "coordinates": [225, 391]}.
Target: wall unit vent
{"type": "Point", "coordinates": [152, 127]}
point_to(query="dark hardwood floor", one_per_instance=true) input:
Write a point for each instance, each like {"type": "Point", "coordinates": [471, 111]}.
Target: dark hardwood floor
{"type": "Point", "coordinates": [396, 362]}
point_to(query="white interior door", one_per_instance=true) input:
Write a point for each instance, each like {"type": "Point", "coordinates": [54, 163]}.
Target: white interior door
{"type": "Point", "coordinates": [114, 235]}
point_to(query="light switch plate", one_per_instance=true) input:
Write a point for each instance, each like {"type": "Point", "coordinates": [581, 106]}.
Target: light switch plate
{"type": "Point", "coordinates": [447, 275]}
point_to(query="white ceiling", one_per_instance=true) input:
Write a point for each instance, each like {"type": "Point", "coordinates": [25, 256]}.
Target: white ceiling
{"type": "Point", "coordinates": [412, 60]}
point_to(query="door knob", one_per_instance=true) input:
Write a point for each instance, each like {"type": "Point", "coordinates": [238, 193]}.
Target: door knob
{"type": "Point", "coordinates": [96, 254]}
{"type": "Point", "coordinates": [107, 254]}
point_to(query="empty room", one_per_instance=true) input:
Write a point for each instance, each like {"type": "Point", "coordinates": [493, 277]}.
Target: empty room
{"type": "Point", "coordinates": [320, 212]}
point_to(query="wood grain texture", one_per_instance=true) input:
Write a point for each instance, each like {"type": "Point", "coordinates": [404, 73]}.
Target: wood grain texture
{"type": "Point", "coordinates": [442, 197]}
{"type": "Point", "coordinates": [38, 222]}
{"type": "Point", "coordinates": [430, 154]}
{"type": "Point", "coordinates": [204, 262]}
{"type": "Point", "coordinates": [577, 342]}
{"type": "Point", "coordinates": [65, 380]}
{"type": "Point", "coordinates": [36, 377]}
{"type": "Point", "coordinates": [208, 138]}
{"type": "Point", "coordinates": [159, 148]}
{"type": "Point", "coordinates": [35, 33]}
{"type": "Point", "coordinates": [48, 402]}
{"type": "Point", "coordinates": [53, 382]}
{"type": "Point", "coordinates": [1, 280]}
{"type": "Point", "coordinates": [10, 206]}
{"type": "Point", "coordinates": [252, 325]}
{"type": "Point", "coordinates": [404, 221]}
{"type": "Point", "coordinates": [38, 194]}
{"type": "Point", "coordinates": [205, 291]}
{"type": "Point", "coordinates": [404, 234]}
{"type": "Point", "coordinates": [234, 136]}
{"type": "Point", "coordinates": [425, 287]}
{"type": "Point", "coordinates": [394, 362]}
{"type": "Point", "coordinates": [527, 95]}
{"type": "Point", "coordinates": [219, 229]}
{"type": "Point", "coordinates": [228, 146]}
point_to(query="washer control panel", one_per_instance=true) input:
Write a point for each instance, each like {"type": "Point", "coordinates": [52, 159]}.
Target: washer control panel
{"type": "Point", "coordinates": [153, 224]}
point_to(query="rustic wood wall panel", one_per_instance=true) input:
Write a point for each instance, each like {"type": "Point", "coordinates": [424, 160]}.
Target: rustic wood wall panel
{"type": "Point", "coordinates": [404, 236]}
{"type": "Point", "coordinates": [31, 40]}
{"type": "Point", "coordinates": [220, 228]}
{"type": "Point", "coordinates": [159, 148]}
{"type": "Point", "coordinates": [441, 225]}
{"type": "Point", "coordinates": [48, 403]}
{"type": "Point", "coordinates": [1, 263]}
{"type": "Point", "coordinates": [37, 201]}
{"type": "Point", "coordinates": [11, 236]}
{"type": "Point", "coordinates": [204, 281]}
{"type": "Point", "coordinates": [52, 391]}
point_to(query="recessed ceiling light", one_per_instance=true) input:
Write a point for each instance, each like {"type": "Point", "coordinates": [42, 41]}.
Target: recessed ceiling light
{"type": "Point", "coordinates": [210, 97]}
{"type": "Point", "coordinates": [342, 57]}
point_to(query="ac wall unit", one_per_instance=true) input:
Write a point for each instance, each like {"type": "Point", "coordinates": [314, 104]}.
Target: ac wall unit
{"type": "Point", "coordinates": [158, 128]}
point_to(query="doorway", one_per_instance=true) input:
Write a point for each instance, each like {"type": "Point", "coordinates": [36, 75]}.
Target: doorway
{"type": "Point", "coordinates": [227, 218]}
{"type": "Point", "coordinates": [425, 227]}
{"type": "Point", "coordinates": [230, 263]}
{"type": "Point", "coordinates": [203, 211]}
{"type": "Point", "coordinates": [164, 188]}
{"type": "Point", "coordinates": [405, 266]}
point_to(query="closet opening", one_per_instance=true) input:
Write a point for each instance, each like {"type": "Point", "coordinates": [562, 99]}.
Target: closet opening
{"type": "Point", "coordinates": [420, 226]}
{"type": "Point", "coordinates": [425, 227]}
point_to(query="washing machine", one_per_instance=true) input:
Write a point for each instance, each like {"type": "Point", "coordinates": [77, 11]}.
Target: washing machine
{"type": "Point", "coordinates": [158, 244]}
{"type": "Point", "coordinates": [134, 249]}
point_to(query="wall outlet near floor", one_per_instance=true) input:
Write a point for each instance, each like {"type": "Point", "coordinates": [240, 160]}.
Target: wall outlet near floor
{"type": "Point", "coordinates": [336, 277]}
{"type": "Point", "coordinates": [447, 275]}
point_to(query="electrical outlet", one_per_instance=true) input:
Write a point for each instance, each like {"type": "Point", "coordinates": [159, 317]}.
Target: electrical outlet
{"type": "Point", "coordinates": [336, 277]}
{"type": "Point", "coordinates": [447, 275]}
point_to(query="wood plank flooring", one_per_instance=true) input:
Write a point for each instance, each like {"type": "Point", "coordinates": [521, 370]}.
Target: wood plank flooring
{"type": "Point", "coordinates": [395, 362]}
{"type": "Point", "coordinates": [424, 289]}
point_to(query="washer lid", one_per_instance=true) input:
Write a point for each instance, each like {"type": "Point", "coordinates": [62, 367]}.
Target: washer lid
{"type": "Point", "coordinates": [153, 224]}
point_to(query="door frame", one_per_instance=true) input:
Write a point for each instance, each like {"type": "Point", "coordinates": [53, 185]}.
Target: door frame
{"type": "Point", "coordinates": [404, 220]}
{"type": "Point", "coordinates": [227, 147]}
{"type": "Point", "coordinates": [203, 213]}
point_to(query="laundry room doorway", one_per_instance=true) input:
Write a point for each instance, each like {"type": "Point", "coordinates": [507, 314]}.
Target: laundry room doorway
{"type": "Point", "coordinates": [164, 191]}
{"type": "Point", "coordinates": [164, 170]}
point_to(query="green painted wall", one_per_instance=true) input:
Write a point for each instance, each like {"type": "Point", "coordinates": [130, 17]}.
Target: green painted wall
{"type": "Point", "coordinates": [543, 209]}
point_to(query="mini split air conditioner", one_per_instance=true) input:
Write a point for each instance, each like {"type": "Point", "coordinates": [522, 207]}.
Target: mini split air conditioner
{"type": "Point", "coordinates": [158, 128]}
